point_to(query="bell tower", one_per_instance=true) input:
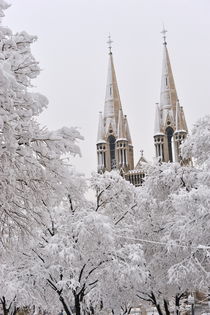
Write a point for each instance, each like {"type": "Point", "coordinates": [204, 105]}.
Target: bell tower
{"type": "Point", "coordinates": [114, 145]}
{"type": "Point", "coordinates": [170, 125]}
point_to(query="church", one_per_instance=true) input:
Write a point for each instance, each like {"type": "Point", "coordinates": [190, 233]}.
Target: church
{"type": "Point", "coordinates": [114, 143]}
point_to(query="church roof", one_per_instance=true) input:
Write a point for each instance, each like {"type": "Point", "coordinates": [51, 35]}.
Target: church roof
{"type": "Point", "coordinates": [142, 162]}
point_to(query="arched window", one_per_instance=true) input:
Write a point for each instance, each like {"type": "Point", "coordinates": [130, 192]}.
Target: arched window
{"type": "Point", "coordinates": [112, 142]}
{"type": "Point", "coordinates": [169, 133]}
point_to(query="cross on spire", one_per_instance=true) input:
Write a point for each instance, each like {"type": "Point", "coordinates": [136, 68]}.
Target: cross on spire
{"type": "Point", "coordinates": [164, 31]}
{"type": "Point", "coordinates": [142, 153]}
{"type": "Point", "coordinates": [109, 42]}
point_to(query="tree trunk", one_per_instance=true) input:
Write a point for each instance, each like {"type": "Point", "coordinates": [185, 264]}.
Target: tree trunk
{"type": "Point", "coordinates": [89, 311]}
{"type": "Point", "coordinates": [157, 305]}
{"type": "Point", "coordinates": [66, 309]}
{"type": "Point", "coordinates": [4, 306]}
{"type": "Point", "coordinates": [77, 304]}
{"type": "Point", "coordinates": [14, 312]}
{"type": "Point", "coordinates": [159, 309]}
{"type": "Point", "coordinates": [178, 297]}
{"type": "Point", "coordinates": [166, 307]}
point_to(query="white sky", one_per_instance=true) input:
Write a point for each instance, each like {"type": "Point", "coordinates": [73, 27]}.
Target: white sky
{"type": "Point", "coordinates": [73, 54]}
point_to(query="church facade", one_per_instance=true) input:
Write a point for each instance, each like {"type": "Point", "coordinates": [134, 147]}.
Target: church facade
{"type": "Point", "coordinates": [114, 143]}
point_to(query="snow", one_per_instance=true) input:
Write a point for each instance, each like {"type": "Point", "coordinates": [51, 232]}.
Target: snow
{"type": "Point", "coordinates": [127, 246]}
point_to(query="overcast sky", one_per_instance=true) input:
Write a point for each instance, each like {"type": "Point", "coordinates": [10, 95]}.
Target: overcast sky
{"type": "Point", "coordinates": [73, 55]}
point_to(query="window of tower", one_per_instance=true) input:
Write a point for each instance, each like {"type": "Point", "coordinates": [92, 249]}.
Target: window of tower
{"type": "Point", "coordinates": [166, 81]}
{"type": "Point", "coordinates": [169, 133]}
{"type": "Point", "coordinates": [112, 142]}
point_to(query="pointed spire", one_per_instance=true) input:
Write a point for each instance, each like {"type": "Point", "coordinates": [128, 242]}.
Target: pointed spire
{"type": "Point", "coordinates": [157, 128]}
{"type": "Point", "coordinates": [178, 116]}
{"type": "Point", "coordinates": [112, 98]}
{"type": "Point", "coordinates": [100, 135]}
{"type": "Point", "coordinates": [127, 130]}
{"type": "Point", "coordinates": [120, 127]}
{"type": "Point", "coordinates": [168, 95]}
{"type": "Point", "coordinates": [184, 124]}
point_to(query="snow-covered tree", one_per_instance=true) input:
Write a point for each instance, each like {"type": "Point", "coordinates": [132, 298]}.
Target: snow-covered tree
{"type": "Point", "coordinates": [115, 197]}
{"type": "Point", "coordinates": [33, 175]}
{"type": "Point", "coordinates": [152, 215]}
{"type": "Point", "coordinates": [173, 224]}
{"type": "Point", "coordinates": [192, 216]}
{"type": "Point", "coordinates": [118, 199]}
{"type": "Point", "coordinates": [80, 264]}
{"type": "Point", "coordinates": [197, 145]}
{"type": "Point", "coordinates": [90, 256]}
{"type": "Point", "coordinates": [22, 263]}
{"type": "Point", "coordinates": [86, 259]}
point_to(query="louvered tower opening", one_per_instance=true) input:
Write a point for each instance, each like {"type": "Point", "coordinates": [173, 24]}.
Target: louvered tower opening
{"type": "Point", "coordinates": [169, 133]}
{"type": "Point", "coordinates": [112, 142]}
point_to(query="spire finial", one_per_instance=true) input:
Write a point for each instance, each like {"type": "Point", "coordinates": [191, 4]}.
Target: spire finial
{"type": "Point", "coordinates": [142, 153]}
{"type": "Point", "coordinates": [164, 31]}
{"type": "Point", "coordinates": [109, 42]}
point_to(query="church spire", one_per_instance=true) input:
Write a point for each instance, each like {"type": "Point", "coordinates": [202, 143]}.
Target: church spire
{"type": "Point", "coordinates": [112, 97]}
{"type": "Point", "coordinates": [170, 125]}
{"type": "Point", "coordinates": [168, 94]}
{"type": "Point", "coordinates": [114, 146]}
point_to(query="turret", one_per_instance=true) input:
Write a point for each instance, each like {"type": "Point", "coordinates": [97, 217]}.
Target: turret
{"type": "Point", "coordinates": [180, 132]}
{"type": "Point", "coordinates": [101, 145]}
{"type": "Point", "coordinates": [159, 136]}
{"type": "Point", "coordinates": [122, 144]}
{"type": "Point", "coordinates": [130, 145]}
